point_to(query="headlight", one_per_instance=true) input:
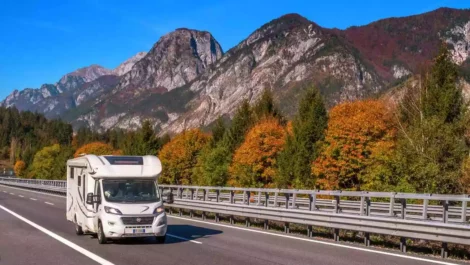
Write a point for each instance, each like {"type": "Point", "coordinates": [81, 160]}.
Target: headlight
{"type": "Point", "coordinates": [112, 210]}
{"type": "Point", "coordinates": [159, 210]}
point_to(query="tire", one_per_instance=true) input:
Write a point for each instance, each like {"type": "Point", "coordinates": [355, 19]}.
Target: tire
{"type": "Point", "coordinates": [101, 237]}
{"type": "Point", "coordinates": [78, 229]}
{"type": "Point", "coordinates": [160, 239]}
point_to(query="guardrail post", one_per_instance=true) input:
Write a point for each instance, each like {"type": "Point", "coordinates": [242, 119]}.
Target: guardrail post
{"type": "Point", "coordinates": [361, 209]}
{"type": "Point", "coordinates": [313, 202]}
{"type": "Point", "coordinates": [197, 194]}
{"type": "Point", "coordinates": [337, 204]}
{"type": "Point", "coordinates": [403, 208]}
{"type": "Point", "coordinates": [275, 199]}
{"type": "Point", "coordinates": [336, 234]}
{"type": "Point", "coordinates": [266, 224]}
{"type": "Point", "coordinates": [286, 228]}
{"type": "Point", "coordinates": [232, 195]}
{"type": "Point", "coordinates": [204, 193]}
{"type": "Point", "coordinates": [445, 214]}
{"type": "Point", "coordinates": [217, 218]}
{"type": "Point", "coordinates": [217, 195]}
{"type": "Point", "coordinates": [247, 222]}
{"type": "Point", "coordinates": [259, 197]}
{"type": "Point", "coordinates": [309, 231]}
{"type": "Point", "coordinates": [367, 239]}
{"type": "Point", "coordinates": [248, 196]}
{"type": "Point", "coordinates": [444, 250]}
{"type": "Point", "coordinates": [294, 199]}
{"type": "Point", "coordinates": [267, 199]}
{"type": "Point", "coordinates": [403, 244]}
{"type": "Point", "coordinates": [287, 200]}
{"type": "Point", "coordinates": [425, 209]}
{"type": "Point", "coordinates": [464, 212]}
{"type": "Point", "coordinates": [232, 221]}
{"type": "Point", "coordinates": [244, 197]}
{"type": "Point", "coordinates": [180, 212]}
{"type": "Point", "coordinates": [192, 194]}
{"type": "Point", "coordinates": [368, 206]}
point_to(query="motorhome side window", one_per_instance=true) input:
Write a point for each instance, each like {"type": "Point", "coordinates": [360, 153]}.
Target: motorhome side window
{"type": "Point", "coordinates": [72, 171]}
{"type": "Point", "coordinates": [79, 180]}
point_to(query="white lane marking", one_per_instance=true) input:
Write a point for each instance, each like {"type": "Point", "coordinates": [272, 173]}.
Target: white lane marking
{"type": "Point", "coordinates": [33, 199]}
{"type": "Point", "coordinates": [12, 193]}
{"type": "Point", "coordinates": [49, 203]}
{"type": "Point", "coordinates": [5, 191]}
{"type": "Point", "coordinates": [60, 239]}
{"type": "Point", "coordinates": [43, 193]}
{"type": "Point", "coordinates": [320, 242]}
{"type": "Point", "coordinates": [183, 238]}
{"type": "Point", "coordinates": [21, 196]}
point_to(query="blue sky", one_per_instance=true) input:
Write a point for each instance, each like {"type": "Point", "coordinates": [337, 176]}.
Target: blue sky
{"type": "Point", "coordinates": [42, 40]}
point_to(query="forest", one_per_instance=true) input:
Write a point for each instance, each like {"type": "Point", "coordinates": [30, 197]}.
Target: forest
{"type": "Point", "coordinates": [419, 143]}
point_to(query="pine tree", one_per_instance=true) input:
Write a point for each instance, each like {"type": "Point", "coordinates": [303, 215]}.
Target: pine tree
{"type": "Point", "coordinates": [265, 107]}
{"type": "Point", "coordinates": [309, 126]}
{"type": "Point", "coordinates": [218, 131]}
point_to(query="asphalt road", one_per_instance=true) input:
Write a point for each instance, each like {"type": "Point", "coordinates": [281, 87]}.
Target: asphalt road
{"type": "Point", "coordinates": [189, 242]}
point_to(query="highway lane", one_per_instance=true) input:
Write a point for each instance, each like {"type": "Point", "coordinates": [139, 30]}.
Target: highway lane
{"type": "Point", "coordinates": [213, 243]}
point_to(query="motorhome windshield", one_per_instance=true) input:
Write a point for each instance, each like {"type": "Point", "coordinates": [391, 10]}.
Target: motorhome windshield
{"type": "Point", "coordinates": [130, 191]}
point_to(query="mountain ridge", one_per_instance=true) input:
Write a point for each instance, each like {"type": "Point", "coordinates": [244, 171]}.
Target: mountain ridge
{"type": "Point", "coordinates": [186, 80]}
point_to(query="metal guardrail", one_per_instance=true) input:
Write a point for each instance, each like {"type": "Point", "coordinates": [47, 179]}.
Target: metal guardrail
{"type": "Point", "coordinates": [437, 217]}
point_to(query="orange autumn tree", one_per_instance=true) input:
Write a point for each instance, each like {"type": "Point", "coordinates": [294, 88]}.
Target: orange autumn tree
{"type": "Point", "coordinates": [97, 148]}
{"type": "Point", "coordinates": [359, 136]}
{"type": "Point", "coordinates": [179, 156]}
{"type": "Point", "coordinates": [19, 168]}
{"type": "Point", "coordinates": [254, 162]}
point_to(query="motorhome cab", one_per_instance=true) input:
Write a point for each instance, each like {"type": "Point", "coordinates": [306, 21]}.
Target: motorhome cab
{"type": "Point", "coordinates": [116, 197]}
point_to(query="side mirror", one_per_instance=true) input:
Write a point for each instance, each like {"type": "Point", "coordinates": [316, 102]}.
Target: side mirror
{"type": "Point", "coordinates": [89, 198]}
{"type": "Point", "coordinates": [167, 197]}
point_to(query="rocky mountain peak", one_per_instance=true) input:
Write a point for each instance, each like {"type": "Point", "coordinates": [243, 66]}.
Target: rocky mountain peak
{"type": "Point", "coordinates": [88, 73]}
{"type": "Point", "coordinates": [175, 60]}
{"type": "Point", "coordinates": [128, 64]}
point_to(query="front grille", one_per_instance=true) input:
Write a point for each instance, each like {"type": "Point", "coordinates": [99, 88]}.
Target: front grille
{"type": "Point", "coordinates": [137, 220]}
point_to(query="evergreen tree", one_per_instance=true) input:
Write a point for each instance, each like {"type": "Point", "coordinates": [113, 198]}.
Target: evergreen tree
{"type": "Point", "coordinates": [214, 160]}
{"type": "Point", "coordinates": [218, 131]}
{"type": "Point", "coordinates": [432, 144]}
{"type": "Point", "coordinates": [294, 162]}
{"type": "Point", "coordinates": [265, 107]}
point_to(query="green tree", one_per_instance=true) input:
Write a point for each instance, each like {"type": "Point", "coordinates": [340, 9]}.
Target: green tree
{"type": "Point", "coordinates": [265, 107]}
{"type": "Point", "coordinates": [431, 125]}
{"type": "Point", "coordinates": [49, 162]}
{"type": "Point", "coordinates": [308, 126]}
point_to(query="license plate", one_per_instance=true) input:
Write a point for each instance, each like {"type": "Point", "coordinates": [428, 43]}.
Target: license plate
{"type": "Point", "coordinates": [138, 231]}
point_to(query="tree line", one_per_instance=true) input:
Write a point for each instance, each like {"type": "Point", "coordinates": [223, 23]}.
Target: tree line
{"type": "Point", "coordinates": [420, 144]}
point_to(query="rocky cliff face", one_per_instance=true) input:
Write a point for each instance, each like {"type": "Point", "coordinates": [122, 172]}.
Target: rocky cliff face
{"type": "Point", "coordinates": [174, 61]}
{"type": "Point", "coordinates": [282, 55]}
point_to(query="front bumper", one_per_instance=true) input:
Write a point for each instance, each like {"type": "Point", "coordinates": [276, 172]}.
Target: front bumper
{"type": "Point", "coordinates": [113, 227]}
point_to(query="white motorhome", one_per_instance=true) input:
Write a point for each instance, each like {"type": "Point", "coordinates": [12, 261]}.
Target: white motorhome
{"type": "Point", "coordinates": [116, 197]}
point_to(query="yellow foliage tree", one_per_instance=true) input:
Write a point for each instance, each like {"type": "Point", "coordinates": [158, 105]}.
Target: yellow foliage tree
{"type": "Point", "coordinates": [358, 137]}
{"type": "Point", "coordinates": [179, 156]}
{"type": "Point", "coordinates": [19, 168]}
{"type": "Point", "coordinates": [97, 148]}
{"type": "Point", "coordinates": [254, 162]}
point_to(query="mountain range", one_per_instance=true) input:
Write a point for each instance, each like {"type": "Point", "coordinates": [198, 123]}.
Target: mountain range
{"type": "Point", "coordinates": [186, 80]}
